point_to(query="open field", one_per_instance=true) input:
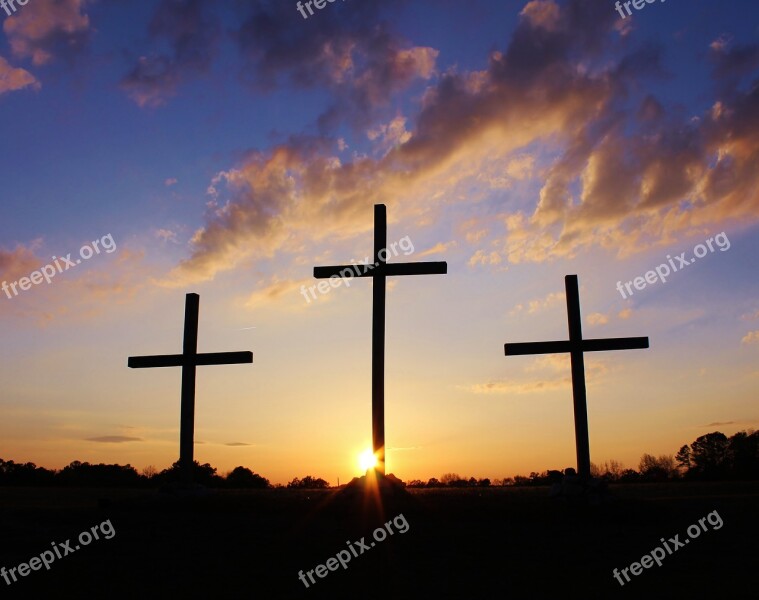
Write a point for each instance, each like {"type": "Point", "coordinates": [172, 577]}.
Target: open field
{"type": "Point", "coordinates": [466, 543]}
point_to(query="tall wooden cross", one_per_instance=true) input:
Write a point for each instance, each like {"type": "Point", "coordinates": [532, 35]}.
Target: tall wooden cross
{"type": "Point", "coordinates": [380, 270]}
{"type": "Point", "coordinates": [576, 346]}
{"type": "Point", "coordinates": [189, 360]}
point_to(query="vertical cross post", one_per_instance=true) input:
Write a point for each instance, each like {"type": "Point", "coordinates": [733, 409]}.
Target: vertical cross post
{"type": "Point", "coordinates": [189, 360]}
{"type": "Point", "coordinates": [378, 336]}
{"type": "Point", "coordinates": [577, 360]}
{"type": "Point", "coordinates": [189, 368]}
{"type": "Point", "coordinates": [576, 346]}
{"type": "Point", "coordinates": [379, 271]}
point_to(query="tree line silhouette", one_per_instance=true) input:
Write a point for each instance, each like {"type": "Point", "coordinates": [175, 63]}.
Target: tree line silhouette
{"type": "Point", "coordinates": [710, 457]}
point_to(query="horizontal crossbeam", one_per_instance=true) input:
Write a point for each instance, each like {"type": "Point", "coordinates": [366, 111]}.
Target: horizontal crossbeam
{"type": "Point", "coordinates": [537, 348]}
{"type": "Point", "coordinates": [630, 343]}
{"type": "Point", "coordinates": [178, 360]}
{"type": "Point", "coordinates": [521, 349]}
{"type": "Point", "coordinates": [394, 269]}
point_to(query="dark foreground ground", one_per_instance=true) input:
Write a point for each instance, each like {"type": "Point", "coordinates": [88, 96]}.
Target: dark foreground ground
{"type": "Point", "coordinates": [490, 543]}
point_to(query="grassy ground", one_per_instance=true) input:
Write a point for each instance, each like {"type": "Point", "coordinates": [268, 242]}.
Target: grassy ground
{"type": "Point", "coordinates": [465, 543]}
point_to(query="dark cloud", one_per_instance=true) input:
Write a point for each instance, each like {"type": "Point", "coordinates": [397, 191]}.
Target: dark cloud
{"type": "Point", "coordinates": [733, 63]}
{"type": "Point", "coordinates": [347, 48]}
{"type": "Point", "coordinates": [237, 444]}
{"type": "Point", "coordinates": [192, 32]}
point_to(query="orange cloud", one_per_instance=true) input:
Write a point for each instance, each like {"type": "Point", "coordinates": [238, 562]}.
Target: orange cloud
{"type": "Point", "coordinates": [12, 79]}
{"type": "Point", "coordinates": [625, 313]}
{"type": "Point", "coordinates": [82, 291]}
{"type": "Point", "coordinates": [20, 261]}
{"type": "Point", "coordinates": [553, 374]}
{"type": "Point", "coordinates": [606, 188]}
{"type": "Point", "coordinates": [439, 248]}
{"type": "Point", "coordinates": [45, 28]}
{"type": "Point", "coordinates": [597, 319]}
{"type": "Point", "coordinates": [482, 257]}
{"type": "Point", "coordinates": [540, 304]}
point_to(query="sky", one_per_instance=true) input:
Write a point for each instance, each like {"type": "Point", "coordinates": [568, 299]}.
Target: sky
{"type": "Point", "coordinates": [227, 148]}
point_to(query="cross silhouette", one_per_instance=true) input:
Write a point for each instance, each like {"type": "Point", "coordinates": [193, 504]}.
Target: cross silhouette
{"type": "Point", "coordinates": [576, 346]}
{"type": "Point", "coordinates": [189, 360]}
{"type": "Point", "coordinates": [380, 271]}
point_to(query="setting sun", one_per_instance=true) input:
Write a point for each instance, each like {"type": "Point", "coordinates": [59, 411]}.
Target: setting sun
{"type": "Point", "coordinates": [367, 460]}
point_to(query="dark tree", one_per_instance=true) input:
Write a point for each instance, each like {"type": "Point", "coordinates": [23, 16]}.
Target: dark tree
{"type": "Point", "coordinates": [709, 456]}
{"type": "Point", "coordinates": [743, 453]}
{"type": "Point", "coordinates": [656, 469]}
{"type": "Point", "coordinates": [240, 477]}
{"type": "Point", "coordinates": [683, 458]}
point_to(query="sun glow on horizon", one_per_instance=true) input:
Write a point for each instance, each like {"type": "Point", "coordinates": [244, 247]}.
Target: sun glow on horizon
{"type": "Point", "coordinates": [367, 460]}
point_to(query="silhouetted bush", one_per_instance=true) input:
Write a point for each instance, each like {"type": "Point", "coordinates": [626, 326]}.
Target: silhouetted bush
{"type": "Point", "coordinates": [24, 474]}
{"type": "Point", "coordinates": [203, 474]}
{"type": "Point", "coordinates": [83, 474]}
{"type": "Point", "coordinates": [241, 477]}
{"type": "Point", "coordinates": [308, 483]}
{"type": "Point", "coordinates": [652, 468]}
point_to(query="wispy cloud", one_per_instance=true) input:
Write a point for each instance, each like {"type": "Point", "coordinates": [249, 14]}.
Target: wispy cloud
{"type": "Point", "coordinates": [191, 31]}
{"type": "Point", "coordinates": [46, 29]}
{"type": "Point", "coordinates": [355, 53]}
{"type": "Point", "coordinates": [540, 304]}
{"type": "Point", "coordinates": [114, 439]}
{"type": "Point", "coordinates": [625, 313]}
{"type": "Point", "coordinates": [439, 248]}
{"type": "Point", "coordinates": [13, 79]}
{"type": "Point", "coordinates": [543, 374]}
{"type": "Point", "coordinates": [597, 319]}
{"type": "Point", "coordinates": [521, 387]}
